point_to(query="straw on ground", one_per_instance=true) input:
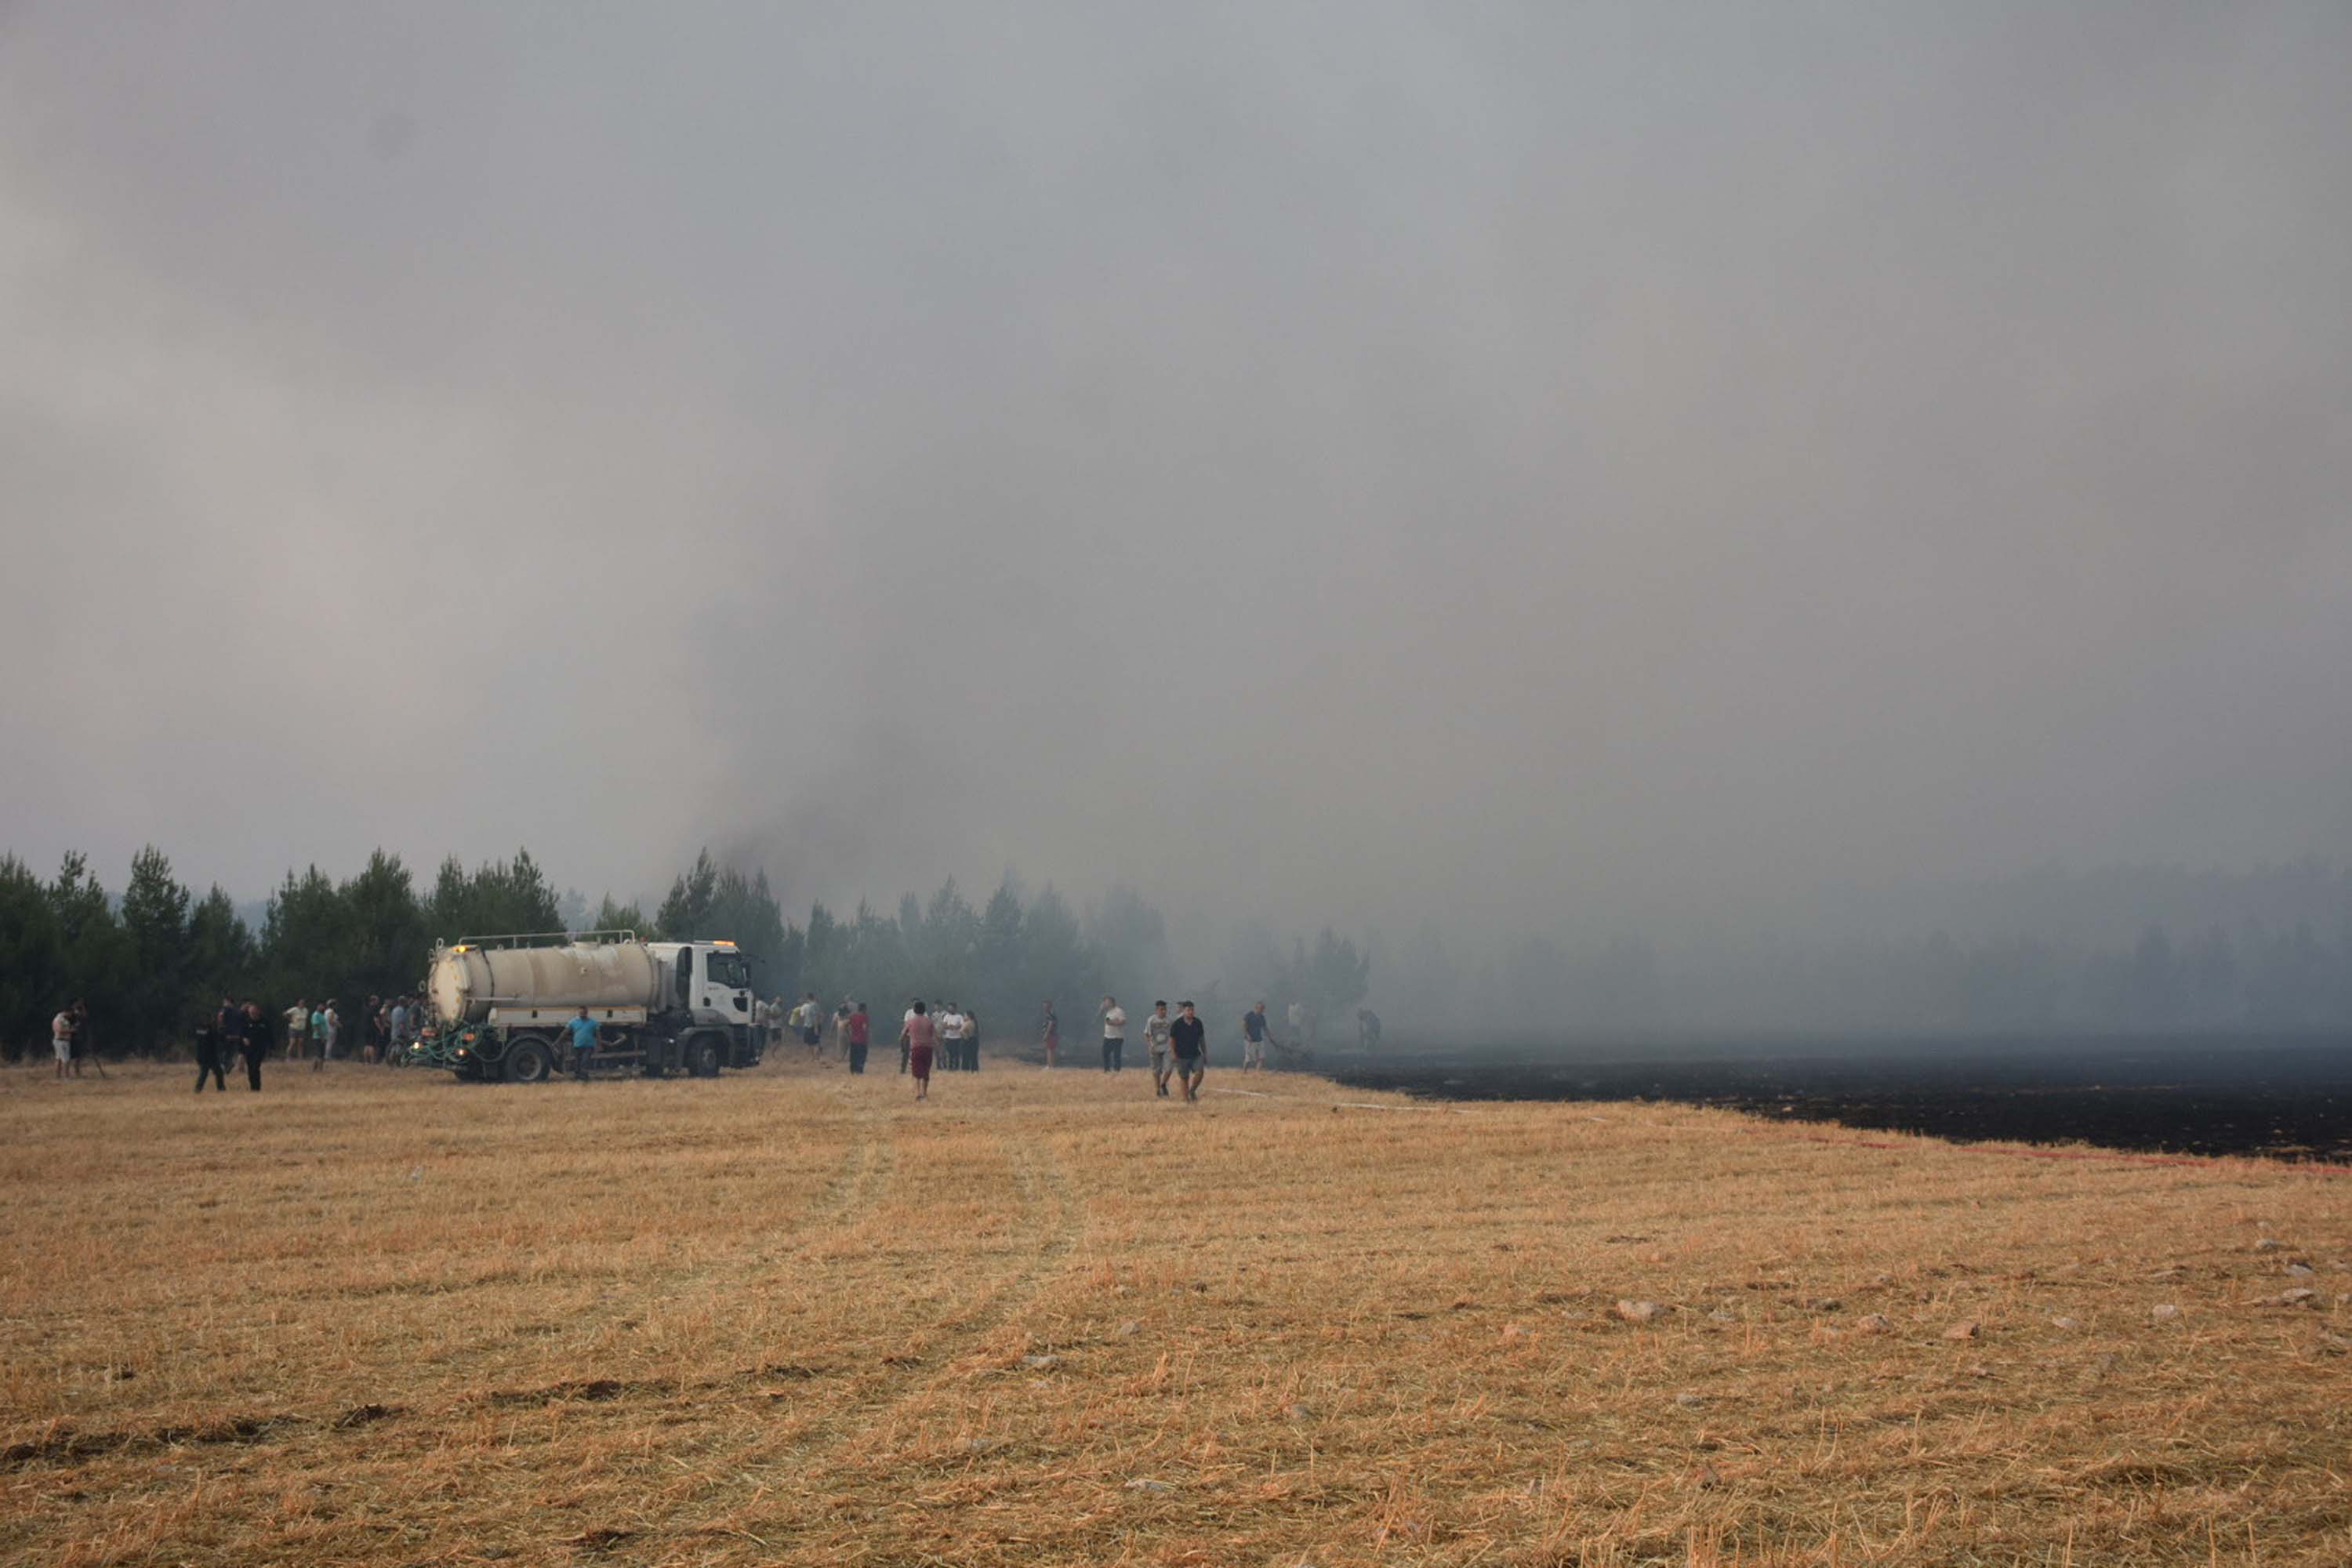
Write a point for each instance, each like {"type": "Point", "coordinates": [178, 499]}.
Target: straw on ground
{"type": "Point", "coordinates": [1047, 1318]}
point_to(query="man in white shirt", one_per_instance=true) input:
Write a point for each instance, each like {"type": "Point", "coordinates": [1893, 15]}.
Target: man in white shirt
{"type": "Point", "coordinates": [61, 1028]}
{"type": "Point", "coordinates": [952, 1028]}
{"type": "Point", "coordinates": [1155, 1034]}
{"type": "Point", "coordinates": [1114, 1022]}
{"type": "Point", "coordinates": [298, 1029]}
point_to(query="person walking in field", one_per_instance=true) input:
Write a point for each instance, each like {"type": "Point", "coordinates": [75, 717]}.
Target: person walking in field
{"type": "Point", "coordinates": [922, 1042]}
{"type": "Point", "coordinates": [1052, 1033]}
{"type": "Point", "coordinates": [317, 1033]}
{"type": "Point", "coordinates": [1188, 1043]}
{"type": "Point", "coordinates": [1155, 1037]}
{"type": "Point", "coordinates": [860, 1025]}
{"type": "Point", "coordinates": [298, 1029]}
{"type": "Point", "coordinates": [811, 1018]}
{"type": "Point", "coordinates": [1113, 1028]}
{"type": "Point", "coordinates": [906, 1037]}
{"type": "Point", "coordinates": [1254, 1029]}
{"type": "Point", "coordinates": [210, 1048]}
{"type": "Point", "coordinates": [252, 1042]}
{"type": "Point", "coordinates": [970, 1041]}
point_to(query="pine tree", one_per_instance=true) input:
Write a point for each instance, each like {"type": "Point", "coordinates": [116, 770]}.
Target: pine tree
{"type": "Point", "coordinates": [155, 929]}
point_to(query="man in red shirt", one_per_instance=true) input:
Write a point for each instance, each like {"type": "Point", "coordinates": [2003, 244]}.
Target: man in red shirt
{"type": "Point", "coordinates": [922, 1041]}
{"type": "Point", "coordinates": [858, 1038]}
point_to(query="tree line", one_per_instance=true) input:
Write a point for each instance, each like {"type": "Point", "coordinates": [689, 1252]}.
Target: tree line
{"type": "Point", "coordinates": [154, 962]}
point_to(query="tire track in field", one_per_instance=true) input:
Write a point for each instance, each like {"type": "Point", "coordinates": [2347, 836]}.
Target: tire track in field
{"type": "Point", "coordinates": [1053, 1219]}
{"type": "Point", "coordinates": [863, 1176]}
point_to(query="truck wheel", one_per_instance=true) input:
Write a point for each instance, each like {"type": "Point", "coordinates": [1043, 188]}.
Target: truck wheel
{"type": "Point", "coordinates": [702, 1058]}
{"type": "Point", "coordinates": [528, 1060]}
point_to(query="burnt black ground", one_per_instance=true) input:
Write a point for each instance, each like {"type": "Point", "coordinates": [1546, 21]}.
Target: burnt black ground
{"type": "Point", "coordinates": [2282, 1099]}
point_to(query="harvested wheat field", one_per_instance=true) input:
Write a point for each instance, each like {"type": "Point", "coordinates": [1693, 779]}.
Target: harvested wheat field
{"type": "Point", "coordinates": [793, 1317]}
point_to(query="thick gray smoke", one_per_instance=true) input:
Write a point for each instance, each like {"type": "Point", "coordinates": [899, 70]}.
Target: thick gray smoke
{"type": "Point", "coordinates": [1520, 467]}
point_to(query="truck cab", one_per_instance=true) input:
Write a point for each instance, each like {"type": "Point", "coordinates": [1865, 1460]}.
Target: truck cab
{"type": "Point", "coordinates": [710, 982]}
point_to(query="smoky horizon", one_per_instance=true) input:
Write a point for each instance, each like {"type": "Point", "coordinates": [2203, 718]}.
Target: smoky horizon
{"type": "Point", "coordinates": [1707, 479]}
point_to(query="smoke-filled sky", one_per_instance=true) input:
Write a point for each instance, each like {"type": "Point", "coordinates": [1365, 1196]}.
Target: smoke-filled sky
{"type": "Point", "coordinates": [1346, 462]}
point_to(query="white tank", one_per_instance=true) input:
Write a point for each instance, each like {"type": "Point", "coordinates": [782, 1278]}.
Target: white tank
{"type": "Point", "coordinates": [468, 981]}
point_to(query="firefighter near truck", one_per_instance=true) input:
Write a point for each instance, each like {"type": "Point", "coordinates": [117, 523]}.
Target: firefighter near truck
{"type": "Point", "coordinates": [502, 1006]}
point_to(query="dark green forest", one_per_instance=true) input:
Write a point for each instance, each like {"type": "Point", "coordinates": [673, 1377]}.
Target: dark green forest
{"type": "Point", "coordinates": [154, 962]}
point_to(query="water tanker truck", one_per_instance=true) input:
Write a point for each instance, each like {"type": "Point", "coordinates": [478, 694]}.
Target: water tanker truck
{"type": "Point", "coordinates": [501, 1005]}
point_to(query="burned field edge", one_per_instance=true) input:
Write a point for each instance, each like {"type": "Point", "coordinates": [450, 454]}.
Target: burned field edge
{"type": "Point", "coordinates": [2278, 1100]}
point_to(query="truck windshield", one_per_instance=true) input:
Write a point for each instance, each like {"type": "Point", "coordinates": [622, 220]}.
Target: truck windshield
{"type": "Point", "coordinates": [724, 968]}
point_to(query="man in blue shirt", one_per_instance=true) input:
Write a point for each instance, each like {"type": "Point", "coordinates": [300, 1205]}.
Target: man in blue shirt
{"type": "Point", "coordinates": [1254, 1033]}
{"type": "Point", "coordinates": [584, 1043]}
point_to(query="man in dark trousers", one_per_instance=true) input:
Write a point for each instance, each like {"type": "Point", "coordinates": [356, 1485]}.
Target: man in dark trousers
{"type": "Point", "coordinates": [859, 1024]}
{"type": "Point", "coordinates": [211, 1048]}
{"type": "Point", "coordinates": [252, 1042]}
{"type": "Point", "coordinates": [584, 1043]}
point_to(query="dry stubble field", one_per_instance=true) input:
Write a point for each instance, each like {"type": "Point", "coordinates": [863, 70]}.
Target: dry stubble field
{"type": "Point", "coordinates": [792, 1317]}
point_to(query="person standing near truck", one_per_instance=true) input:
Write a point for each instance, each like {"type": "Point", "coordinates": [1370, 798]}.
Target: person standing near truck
{"type": "Point", "coordinates": [584, 1043]}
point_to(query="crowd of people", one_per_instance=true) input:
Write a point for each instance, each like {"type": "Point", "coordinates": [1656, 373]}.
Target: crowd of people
{"type": "Point", "coordinates": [937, 1036]}
{"type": "Point", "coordinates": [932, 1035]}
